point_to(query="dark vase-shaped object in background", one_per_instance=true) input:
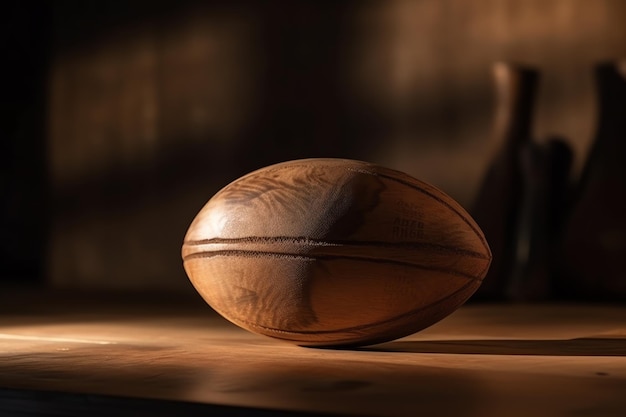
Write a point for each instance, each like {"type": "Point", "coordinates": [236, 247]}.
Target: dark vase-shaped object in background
{"type": "Point", "coordinates": [544, 197]}
{"type": "Point", "coordinates": [498, 204]}
{"type": "Point", "coordinates": [594, 241]}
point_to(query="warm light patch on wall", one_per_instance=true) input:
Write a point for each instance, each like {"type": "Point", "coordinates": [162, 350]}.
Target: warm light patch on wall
{"type": "Point", "coordinates": [131, 95]}
{"type": "Point", "coordinates": [136, 114]}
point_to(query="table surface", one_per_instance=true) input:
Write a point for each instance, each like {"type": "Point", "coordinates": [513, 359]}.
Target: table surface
{"type": "Point", "coordinates": [483, 360]}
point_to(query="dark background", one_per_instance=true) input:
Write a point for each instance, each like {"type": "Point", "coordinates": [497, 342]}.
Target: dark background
{"type": "Point", "coordinates": [120, 119]}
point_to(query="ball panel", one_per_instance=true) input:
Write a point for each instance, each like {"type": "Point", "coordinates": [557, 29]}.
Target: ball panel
{"type": "Point", "coordinates": [316, 200]}
{"type": "Point", "coordinates": [394, 328]}
{"type": "Point", "coordinates": [348, 200]}
{"type": "Point", "coordinates": [273, 292]}
{"type": "Point", "coordinates": [298, 294]}
{"type": "Point", "coordinates": [413, 211]}
{"type": "Point", "coordinates": [355, 293]}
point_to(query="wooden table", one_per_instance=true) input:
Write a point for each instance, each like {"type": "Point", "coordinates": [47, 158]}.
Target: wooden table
{"type": "Point", "coordinates": [131, 354]}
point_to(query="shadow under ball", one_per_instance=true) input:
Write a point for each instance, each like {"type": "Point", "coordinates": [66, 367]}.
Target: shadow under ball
{"type": "Point", "coordinates": [334, 252]}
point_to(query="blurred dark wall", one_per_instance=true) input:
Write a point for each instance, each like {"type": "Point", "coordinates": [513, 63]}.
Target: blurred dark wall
{"type": "Point", "coordinates": [24, 31]}
{"type": "Point", "coordinates": [151, 107]}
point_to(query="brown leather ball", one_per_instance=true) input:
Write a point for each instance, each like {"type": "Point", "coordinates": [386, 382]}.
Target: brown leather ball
{"type": "Point", "coordinates": [334, 252]}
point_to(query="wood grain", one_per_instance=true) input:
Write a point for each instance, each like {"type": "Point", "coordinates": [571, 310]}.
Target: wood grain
{"type": "Point", "coordinates": [334, 252]}
{"type": "Point", "coordinates": [483, 360]}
